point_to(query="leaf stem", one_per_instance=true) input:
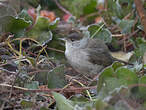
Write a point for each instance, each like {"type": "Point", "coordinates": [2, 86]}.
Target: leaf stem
{"type": "Point", "coordinates": [97, 30]}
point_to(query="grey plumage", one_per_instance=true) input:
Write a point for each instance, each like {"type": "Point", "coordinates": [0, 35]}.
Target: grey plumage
{"type": "Point", "coordinates": [86, 55]}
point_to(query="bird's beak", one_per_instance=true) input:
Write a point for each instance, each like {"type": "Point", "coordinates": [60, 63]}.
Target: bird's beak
{"type": "Point", "coordinates": [63, 39]}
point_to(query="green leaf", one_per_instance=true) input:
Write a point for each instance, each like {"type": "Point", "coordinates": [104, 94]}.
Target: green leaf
{"type": "Point", "coordinates": [112, 84]}
{"type": "Point", "coordinates": [126, 26]}
{"type": "Point", "coordinates": [126, 76]}
{"type": "Point", "coordinates": [142, 89]}
{"type": "Point", "coordinates": [100, 105]}
{"type": "Point", "coordinates": [144, 66]}
{"type": "Point", "coordinates": [23, 14]}
{"type": "Point", "coordinates": [78, 7]}
{"type": "Point", "coordinates": [40, 31]}
{"type": "Point", "coordinates": [62, 102]}
{"type": "Point", "coordinates": [111, 81]}
{"type": "Point", "coordinates": [140, 50]}
{"type": "Point", "coordinates": [119, 8]}
{"type": "Point", "coordinates": [114, 8]}
{"type": "Point", "coordinates": [107, 73]}
{"type": "Point", "coordinates": [56, 77]}
{"type": "Point", "coordinates": [90, 8]}
{"type": "Point", "coordinates": [43, 108]}
{"type": "Point", "coordinates": [53, 24]}
{"type": "Point", "coordinates": [79, 98]}
{"type": "Point", "coordinates": [26, 104]}
{"type": "Point", "coordinates": [32, 85]}
{"type": "Point", "coordinates": [116, 65]}
{"type": "Point", "coordinates": [15, 25]}
{"type": "Point", "coordinates": [103, 34]}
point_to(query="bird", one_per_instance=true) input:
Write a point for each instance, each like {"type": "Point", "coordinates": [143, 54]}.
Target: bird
{"type": "Point", "coordinates": [87, 55]}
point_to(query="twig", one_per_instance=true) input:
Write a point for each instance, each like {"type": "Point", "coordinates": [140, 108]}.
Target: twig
{"type": "Point", "coordinates": [7, 71]}
{"type": "Point", "coordinates": [62, 8]}
{"type": "Point", "coordinates": [10, 95]}
{"type": "Point", "coordinates": [29, 52]}
{"type": "Point", "coordinates": [141, 12]}
{"type": "Point", "coordinates": [61, 51]}
{"type": "Point", "coordinates": [21, 89]}
{"type": "Point", "coordinates": [37, 71]}
{"type": "Point", "coordinates": [117, 35]}
{"type": "Point", "coordinates": [135, 85]}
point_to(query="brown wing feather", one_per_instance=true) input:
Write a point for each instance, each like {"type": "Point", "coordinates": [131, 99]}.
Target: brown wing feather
{"type": "Point", "coordinates": [100, 57]}
{"type": "Point", "coordinates": [99, 53]}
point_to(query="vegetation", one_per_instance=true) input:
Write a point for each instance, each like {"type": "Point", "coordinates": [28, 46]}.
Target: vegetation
{"type": "Point", "coordinates": [34, 73]}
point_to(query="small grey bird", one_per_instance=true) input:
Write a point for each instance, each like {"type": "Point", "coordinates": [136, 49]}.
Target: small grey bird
{"type": "Point", "coordinates": [86, 55]}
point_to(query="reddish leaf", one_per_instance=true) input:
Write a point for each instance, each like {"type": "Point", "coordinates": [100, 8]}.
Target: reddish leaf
{"type": "Point", "coordinates": [48, 14]}
{"type": "Point", "coordinates": [32, 13]}
{"type": "Point", "coordinates": [66, 17]}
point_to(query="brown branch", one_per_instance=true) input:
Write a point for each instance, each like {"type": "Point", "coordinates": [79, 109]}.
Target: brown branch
{"type": "Point", "coordinates": [62, 8]}
{"type": "Point", "coordinates": [141, 12]}
{"type": "Point", "coordinates": [136, 85]}
{"type": "Point", "coordinates": [57, 50]}
{"type": "Point", "coordinates": [21, 89]}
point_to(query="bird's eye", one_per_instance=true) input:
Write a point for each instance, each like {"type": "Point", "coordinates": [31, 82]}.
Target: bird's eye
{"type": "Point", "coordinates": [72, 40]}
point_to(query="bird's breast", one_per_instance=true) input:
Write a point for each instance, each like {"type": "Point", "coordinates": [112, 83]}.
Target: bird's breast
{"type": "Point", "coordinates": [79, 60]}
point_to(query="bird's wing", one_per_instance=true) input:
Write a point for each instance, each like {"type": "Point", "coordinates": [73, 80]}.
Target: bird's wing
{"type": "Point", "coordinates": [99, 56]}
{"type": "Point", "coordinates": [97, 44]}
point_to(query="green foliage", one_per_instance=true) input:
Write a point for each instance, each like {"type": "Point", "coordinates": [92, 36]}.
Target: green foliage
{"type": "Point", "coordinates": [79, 7]}
{"type": "Point", "coordinates": [142, 88]}
{"type": "Point", "coordinates": [119, 8]}
{"type": "Point", "coordinates": [24, 15]}
{"type": "Point", "coordinates": [97, 31]}
{"type": "Point", "coordinates": [56, 77]}
{"type": "Point", "coordinates": [15, 25]}
{"type": "Point", "coordinates": [62, 102]}
{"type": "Point", "coordinates": [32, 85]}
{"type": "Point", "coordinates": [26, 104]}
{"type": "Point", "coordinates": [107, 73]}
{"type": "Point", "coordinates": [141, 47]}
{"type": "Point", "coordinates": [40, 31]}
{"type": "Point", "coordinates": [90, 7]}
{"type": "Point", "coordinates": [126, 26]}
{"type": "Point", "coordinates": [114, 82]}
{"type": "Point", "coordinates": [114, 77]}
{"type": "Point", "coordinates": [65, 104]}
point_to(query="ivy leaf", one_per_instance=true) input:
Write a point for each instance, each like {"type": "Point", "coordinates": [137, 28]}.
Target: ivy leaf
{"type": "Point", "coordinates": [115, 76]}
{"type": "Point", "coordinates": [142, 90]}
{"type": "Point", "coordinates": [78, 7]}
{"type": "Point", "coordinates": [126, 76]}
{"type": "Point", "coordinates": [15, 25]}
{"type": "Point", "coordinates": [24, 15]}
{"type": "Point", "coordinates": [26, 104]}
{"type": "Point", "coordinates": [107, 73]}
{"type": "Point", "coordinates": [40, 31]}
{"type": "Point", "coordinates": [126, 26]}
{"type": "Point", "coordinates": [56, 77]}
{"type": "Point", "coordinates": [32, 85]}
{"type": "Point", "coordinates": [62, 102]}
{"type": "Point", "coordinates": [103, 34]}
{"type": "Point", "coordinates": [53, 24]}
